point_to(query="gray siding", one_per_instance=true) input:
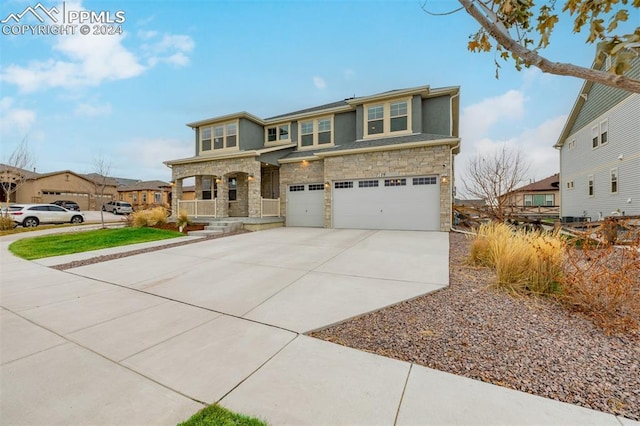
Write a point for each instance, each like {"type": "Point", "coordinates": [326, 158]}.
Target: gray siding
{"type": "Point", "coordinates": [436, 115]}
{"type": "Point", "coordinates": [359, 122]}
{"type": "Point", "coordinates": [602, 98]}
{"type": "Point", "coordinates": [251, 135]}
{"type": "Point", "coordinates": [197, 132]}
{"type": "Point", "coordinates": [416, 114]}
{"type": "Point", "coordinates": [294, 132]}
{"type": "Point", "coordinates": [345, 127]}
{"type": "Point", "coordinates": [578, 163]}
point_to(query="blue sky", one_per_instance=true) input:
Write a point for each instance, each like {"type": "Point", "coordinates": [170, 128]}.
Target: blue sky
{"type": "Point", "coordinates": [127, 97]}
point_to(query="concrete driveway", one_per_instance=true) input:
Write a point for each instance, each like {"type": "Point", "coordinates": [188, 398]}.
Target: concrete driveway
{"type": "Point", "coordinates": [148, 339]}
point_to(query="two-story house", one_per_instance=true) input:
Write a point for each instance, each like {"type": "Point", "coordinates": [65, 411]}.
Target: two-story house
{"type": "Point", "coordinates": [600, 153]}
{"type": "Point", "coordinates": [383, 161]}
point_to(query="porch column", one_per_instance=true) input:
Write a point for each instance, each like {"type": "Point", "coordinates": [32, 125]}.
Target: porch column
{"type": "Point", "coordinates": [176, 194]}
{"type": "Point", "coordinates": [198, 189]}
{"type": "Point", "coordinates": [223, 196]}
{"type": "Point", "coordinates": [255, 190]}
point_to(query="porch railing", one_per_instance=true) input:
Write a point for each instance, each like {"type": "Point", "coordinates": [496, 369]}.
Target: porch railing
{"type": "Point", "coordinates": [269, 207]}
{"type": "Point", "coordinates": [197, 208]}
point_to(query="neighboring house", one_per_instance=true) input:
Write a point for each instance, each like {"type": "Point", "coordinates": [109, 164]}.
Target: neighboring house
{"type": "Point", "coordinates": [146, 193]}
{"type": "Point", "coordinates": [383, 161]}
{"type": "Point", "coordinates": [538, 198]}
{"type": "Point", "coordinates": [60, 185]}
{"type": "Point", "coordinates": [600, 153]}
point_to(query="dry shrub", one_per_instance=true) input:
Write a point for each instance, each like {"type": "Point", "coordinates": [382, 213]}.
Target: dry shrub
{"type": "Point", "coordinates": [155, 216]}
{"type": "Point", "coordinates": [6, 223]}
{"type": "Point", "coordinates": [604, 283]}
{"type": "Point", "coordinates": [183, 219]}
{"type": "Point", "coordinates": [525, 262]}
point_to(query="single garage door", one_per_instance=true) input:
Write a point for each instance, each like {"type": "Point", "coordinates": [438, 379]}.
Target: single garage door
{"type": "Point", "coordinates": [305, 205]}
{"type": "Point", "coordinates": [407, 203]}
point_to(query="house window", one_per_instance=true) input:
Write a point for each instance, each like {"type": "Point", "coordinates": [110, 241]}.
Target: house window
{"type": "Point", "coordinates": [157, 198]}
{"type": "Point", "coordinates": [144, 198]}
{"type": "Point", "coordinates": [316, 132]}
{"type": "Point", "coordinates": [398, 113]}
{"type": "Point", "coordinates": [306, 133]}
{"type": "Point", "coordinates": [549, 200]}
{"type": "Point", "coordinates": [614, 181]}
{"type": "Point", "coordinates": [206, 139]}
{"type": "Point", "coordinates": [388, 118]}
{"type": "Point", "coordinates": [278, 133]}
{"type": "Point", "coordinates": [233, 193]}
{"type": "Point", "coordinates": [375, 119]}
{"type": "Point", "coordinates": [220, 136]}
{"type": "Point", "coordinates": [590, 185]}
{"type": "Point", "coordinates": [604, 132]}
{"type": "Point", "coordinates": [595, 136]}
{"type": "Point", "coordinates": [528, 200]}
{"type": "Point", "coordinates": [570, 184]}
{"type": "Point", "coordinates": [134, 197]}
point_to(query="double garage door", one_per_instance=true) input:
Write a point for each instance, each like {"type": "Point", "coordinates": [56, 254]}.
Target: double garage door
{"type": "Point", "coordinates": [407, 203]}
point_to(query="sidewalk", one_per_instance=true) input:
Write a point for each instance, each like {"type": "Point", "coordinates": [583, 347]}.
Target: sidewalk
{"type": "Point", "coordinates": [110, 349]}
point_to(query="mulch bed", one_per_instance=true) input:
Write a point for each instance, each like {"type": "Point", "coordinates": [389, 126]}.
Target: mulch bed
{"type": "Point", "coordinates": [534, 345]}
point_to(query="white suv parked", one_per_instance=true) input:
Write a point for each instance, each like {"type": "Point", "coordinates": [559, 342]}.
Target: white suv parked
{"type": "Point", "coordinates": [30, 215]}
{"type": "Point", "coordinates": [117, 207]}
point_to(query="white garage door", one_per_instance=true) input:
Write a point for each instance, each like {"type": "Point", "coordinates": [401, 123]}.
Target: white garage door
{"type": "Point", "coordinates": [305, 205]}
{"type": "Point", "coordinates": [408, 203]}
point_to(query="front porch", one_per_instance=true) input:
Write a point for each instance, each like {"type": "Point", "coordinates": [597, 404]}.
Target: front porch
{"type": "Point", "coordinates": [227, 188]}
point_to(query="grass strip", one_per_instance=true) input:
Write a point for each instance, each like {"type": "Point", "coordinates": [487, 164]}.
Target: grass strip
{"type": "Point", "coordinates": [78, 242]}
{"type": "Point", "coordinates": [216, 415]}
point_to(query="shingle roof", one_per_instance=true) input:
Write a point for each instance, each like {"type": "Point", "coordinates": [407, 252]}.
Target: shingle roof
{"type": "Point", "coordinates": [551, 183]}
{"type": "Point", "coordinates": [312, 109]}
{"type": "Point", "coordinates": [141, 186]}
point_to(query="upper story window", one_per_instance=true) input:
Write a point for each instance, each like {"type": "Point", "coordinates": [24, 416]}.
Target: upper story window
{"type": "Point", "coordinates": [219, 136]}
{"type": "Point", "coordinates": [600, 134]}
{"type": "Point", "coordinates": [614, 181]}
{"type": "Point", "coordinates": [278, 133]}
{"type": "Point", "coordinates": [388, 118]}
{"type": "Point", "coordinates": [316, 133]}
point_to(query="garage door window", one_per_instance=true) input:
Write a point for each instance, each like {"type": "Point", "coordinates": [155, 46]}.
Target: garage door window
{"type": "Point", "coordinates": [395, 182]}
{"type": "Point", "coordinates": [368, 184]}
{"type": "Point", "coordinates": [316, 187]}
{"type": "Point", "coordinates": [296, 188]}
{"type": "Point", "coordinates": [343, 185]}
{"type": "Point", "coordinates": [431, 180]}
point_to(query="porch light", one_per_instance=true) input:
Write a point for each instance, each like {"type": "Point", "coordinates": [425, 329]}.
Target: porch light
{"type": "Point", "coordinates": [327, 185]}
{"type": "Point", "coordinates": [218, 180]}
{"type": "Point", "coordinates": [444, 179]}
{"type": "Point", "coordinates": [251, 177]}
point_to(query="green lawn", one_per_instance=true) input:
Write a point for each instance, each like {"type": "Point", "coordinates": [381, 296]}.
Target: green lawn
{"type": "Point", "coordinates": [59, 244]}
{"type": "Point", "coordinates": [215, 415]}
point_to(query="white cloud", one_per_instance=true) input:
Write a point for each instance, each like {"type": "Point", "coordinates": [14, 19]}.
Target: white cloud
{"type": "Point", "coordinates": [13, 118]}
{"type": "Point", "coordinates": [140, 158]}
{"type": "Point", "coordinates": [319, 82]}
{"type": "Point", "coordinates": [481, 122]}
{"type": "Point", "coordinates": [89, 60]}
{"type": "Point", "coordinates": [170, 48]}
{"type": "Point", "coordinates": [92, 110]}
{"type": "Point", "coordinates": [479, 118]}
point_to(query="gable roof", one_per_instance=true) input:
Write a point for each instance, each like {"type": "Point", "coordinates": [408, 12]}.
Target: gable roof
{"type": "Point", "coordinates": [585, 93]}
{"type": "Point", "coordinates": [551, 183]}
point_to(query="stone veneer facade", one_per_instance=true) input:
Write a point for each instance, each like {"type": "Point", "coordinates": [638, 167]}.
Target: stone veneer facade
{"type": "Point", "coordinates": [427, 160]}
{"type": "Point", "coordinates": [241, 168]}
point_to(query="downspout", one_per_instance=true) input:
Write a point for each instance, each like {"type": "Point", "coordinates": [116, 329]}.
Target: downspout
{"type": "Point", "coordinates": [451, 148]}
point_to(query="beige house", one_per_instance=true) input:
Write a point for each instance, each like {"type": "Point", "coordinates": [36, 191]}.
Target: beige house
{"type": "Point", "coordinates": [540, 198]}
{"type": "Point", "coordinates": [61, 185]}
{"type": "Point", "coordinates": [145, 194]}
{"type": "Point", "coordinates": [383, 161]}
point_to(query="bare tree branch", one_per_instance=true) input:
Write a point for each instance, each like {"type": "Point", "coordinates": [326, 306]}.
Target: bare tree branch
{"type": "Point", "coordinates": [14, 173]}
{"type": "Point", "coordinates": [102, 167]}
{"type": "Point", "coordinates": [491, 24]}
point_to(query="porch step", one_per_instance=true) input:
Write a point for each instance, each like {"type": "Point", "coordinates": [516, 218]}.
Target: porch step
{"type": "Point", "coordinates": [218, 227]}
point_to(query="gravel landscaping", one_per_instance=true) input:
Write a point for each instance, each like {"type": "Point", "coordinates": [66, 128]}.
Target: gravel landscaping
{"type": "Point", "coordinates": [532, 345]}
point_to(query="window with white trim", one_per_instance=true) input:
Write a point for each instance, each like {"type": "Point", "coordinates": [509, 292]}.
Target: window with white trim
{"type": "Point", "coordinates": [595, 137]}
{"type": "Point", "coordinates": [570, 184]}
{"type": "Point", "coordinates": [219, 136]}
{"type": "Point", "coordinates": [316, 133]}
{"type": "Point", "coordinates": [590, 186]}
{"type": "Point", "coordinates": [278, 133]}
{"type": "Point", "coordinates": [388, 118]}
{"type": "Point", "coordinates": [144, 198]}
{"type": "Point", "coordinates": [157, 198]}
{"type": "Point", "coordinates": [614, 181]}
{"type": "Point", "coordinates": [604, 132]}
